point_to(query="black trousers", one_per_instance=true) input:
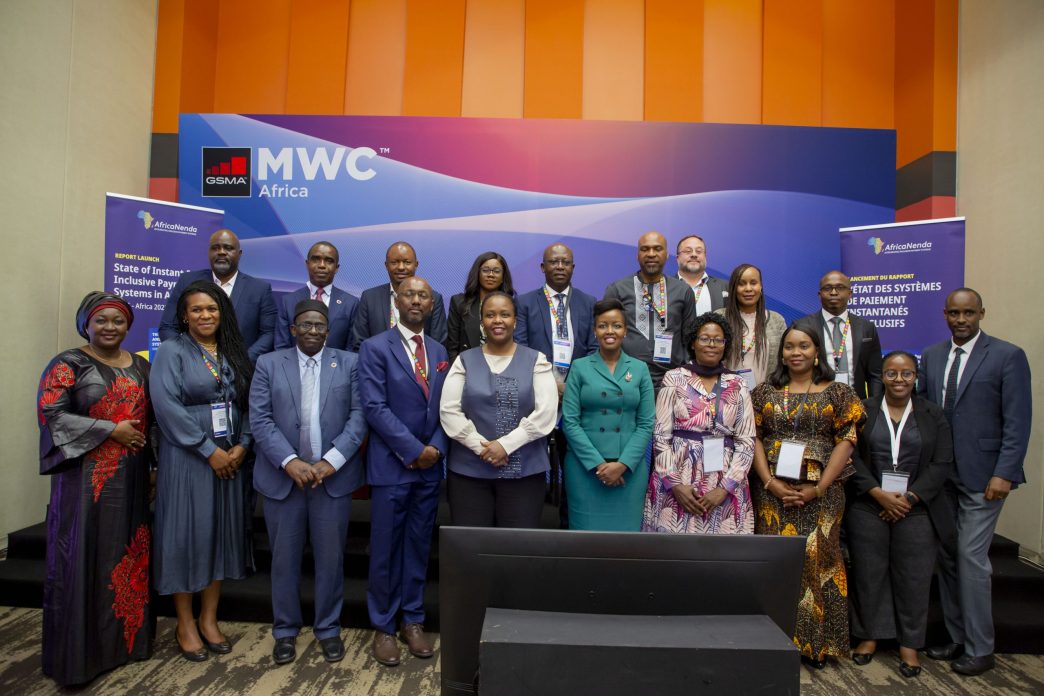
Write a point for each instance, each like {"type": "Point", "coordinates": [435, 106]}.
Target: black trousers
{"type": "Point", "coordinates": [481, 502]}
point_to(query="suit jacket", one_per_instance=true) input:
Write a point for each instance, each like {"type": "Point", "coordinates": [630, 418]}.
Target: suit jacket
{"type": "Point", "coordinates": [865, 361]}
{"type": "Point", "coordinates": [343, 308]}
{"type": "Point", "coordinates": [934, 467]}
{"type": "Point", "coordinates": [534, 329]}
{"type": "Point", "coordinates": [402, 420]}
{"type": "Point", "coordinates": [993, 410]}
{"type": "Point", "coordinates": [252, 300]}
{"type": "Point", "coordinates": [681, 318]}
{"type": "Point", "coordinates": [463, 326]}
{"type": "Point", "coordinates": [373, 318]}
{"type": "Point", "coordinates": [717, 290]}
{"type": "Point", "coordinates": [275, 419]}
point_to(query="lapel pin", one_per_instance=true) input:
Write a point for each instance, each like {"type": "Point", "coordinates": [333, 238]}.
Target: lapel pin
{"type": "Point", "coordinates": [338, 300]}
{"type": "Point", "coordinates": [333, 364]}
{"type": "Point", "coordinates": [627, 377]}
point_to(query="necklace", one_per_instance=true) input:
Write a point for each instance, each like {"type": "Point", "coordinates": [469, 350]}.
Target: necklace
{"type": "Point", "coordinates": [107, 361]}
{"type": "Point", "coordinates": [209, 347]}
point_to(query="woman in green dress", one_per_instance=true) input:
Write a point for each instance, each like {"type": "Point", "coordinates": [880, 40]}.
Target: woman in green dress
{"type": "Point", "coordinates": [607, 414]}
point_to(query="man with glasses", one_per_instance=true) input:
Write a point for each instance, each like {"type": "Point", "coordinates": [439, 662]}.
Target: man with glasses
{"type": "Point", "coordinates": [708, 291]}
{"type": "Point", "coordinates": [851, 345]}
{"type": "Point", "coordinates": [983, 386]}
{"type": "Point", "coordinates": [401, 372]}
{"type": "Point", "coordinates": [557, 320]}
{"type": "Point", "coordinates": [322, 263]}
{"type": "Point", "coordinates": [307, 421]}
{"type": "Point", "coordinates": [660, 311]}
{"type": "Point", "coordinates": [377, 308]}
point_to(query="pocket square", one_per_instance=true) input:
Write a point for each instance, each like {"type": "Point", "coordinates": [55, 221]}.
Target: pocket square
{"type": "Point", "coordinates": [442, 366]}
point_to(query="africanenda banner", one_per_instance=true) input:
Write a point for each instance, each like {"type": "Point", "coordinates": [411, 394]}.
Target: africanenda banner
{"type": "Point", "coordinates": [456, 187]}
{"type": "Point", "coordinates": [148, 244]}
{"type": "Point", "coordinates": [901, 274]}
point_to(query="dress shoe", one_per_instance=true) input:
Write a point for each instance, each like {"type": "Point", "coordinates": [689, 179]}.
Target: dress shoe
{"type": "Point", "coordinates": [972, 666]}
{"type": "Point", "coordinates": [385, 649]}
{"type": "Point", "coordinates": [333, 649]}
{"type": "Point", "coordinates": [412, 634]}
{"type": "Point", "coordinates": [285, 650]}
{"type": "Point", "coordinates": [862, 659]}
{"type": "Point", "coordinates": [222, 648]}
{"type": "Point", "coordinates": [945, 652]}
{"type": "Point", "coordinates": [814, 664]}
{"type": "Point", "coordinates": [909, 671]}
{"type": "Point", "coordinates": [200, 655]}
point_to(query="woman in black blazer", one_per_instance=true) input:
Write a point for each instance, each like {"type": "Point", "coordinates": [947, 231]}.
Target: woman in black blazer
{"type": "Point", "coordinates": [489, 273]}
{"type": "Point", "coordinates": [895, 525]}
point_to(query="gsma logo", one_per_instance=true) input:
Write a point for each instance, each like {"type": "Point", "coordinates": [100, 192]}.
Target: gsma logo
{"type": "Point", "coordinates": [226, 172]}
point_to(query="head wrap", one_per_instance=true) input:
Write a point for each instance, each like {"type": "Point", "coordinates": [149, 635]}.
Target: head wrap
{"type": "Point", "coordinates": [311, 306]}
{"type": "Point", "coordinates": [96, 301]}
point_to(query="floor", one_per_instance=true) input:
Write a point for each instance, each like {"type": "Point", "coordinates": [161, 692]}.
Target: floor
{"type": "Point", "coordinates": [249, 670]}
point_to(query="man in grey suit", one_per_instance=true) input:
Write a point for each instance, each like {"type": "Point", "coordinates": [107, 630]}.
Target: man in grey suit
{"type": "Point", "coordinates": [708, 291]}
{"type": "Point", "coordinates": [660, 311]}
{"type": "Point", "coordinates": [983, 386]}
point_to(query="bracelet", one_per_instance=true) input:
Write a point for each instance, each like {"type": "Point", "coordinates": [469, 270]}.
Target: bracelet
{"type": "Point", "coordinates": [768, 483]}
{"type": "Point", "coordinates": [819, 491]}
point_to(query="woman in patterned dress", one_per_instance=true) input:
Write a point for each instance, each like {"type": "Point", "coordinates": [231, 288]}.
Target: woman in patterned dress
{"type": "Point", "coordinates": [802, 405]}
{"type": "Point", "coordinates": [93, 411]}
{"type": "Point", "coordinates": [688, 492]}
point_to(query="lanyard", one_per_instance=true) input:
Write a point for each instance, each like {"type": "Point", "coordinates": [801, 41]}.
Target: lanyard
{"type": "Point", "coordinates": [698, 290]}
{"type": "Point", "coordinates": [715, 406]}
{"type": "Point", "coordinates": [747, 345]}
{"type": "Point", "coordinates": [838, 351]}
{"type": "Point", "coordinates": [659, 307]}
{"type": "Point", "coordinates": [895, 435]}
{"type": "Point", "coordinates": [554, 309]}
{"type": "Point", "coordinates": [796, 416]}
{"type": "Point", "coordinates": [210, 365]}
{"type": "Point", "coordinates": [416, 363]}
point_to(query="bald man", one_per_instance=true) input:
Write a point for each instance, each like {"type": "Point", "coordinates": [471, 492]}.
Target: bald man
{"type": "Point", "coordinates": [377, 308]}
{"type": "Point", "coordinates": [251, 297]}
{"type": "Point", "coordinates": [659, 310]}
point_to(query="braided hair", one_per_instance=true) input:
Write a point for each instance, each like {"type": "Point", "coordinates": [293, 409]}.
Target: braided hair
{"type": "Point", "coordinates": [733, 314]}
{"type": "Point", "coordinates": [229, 339]}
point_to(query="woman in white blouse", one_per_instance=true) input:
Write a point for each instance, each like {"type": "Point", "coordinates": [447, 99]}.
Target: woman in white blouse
{"type": "Point", "coordinates": [499, 403]}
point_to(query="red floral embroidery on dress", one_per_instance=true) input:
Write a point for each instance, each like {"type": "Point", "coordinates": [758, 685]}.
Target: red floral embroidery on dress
{"type": "Point", "coordinates": [124, 400]}
{"type": "Point", "coordinates": [52, 385]}
{"type": "Point", "coordinates": [130, 586]}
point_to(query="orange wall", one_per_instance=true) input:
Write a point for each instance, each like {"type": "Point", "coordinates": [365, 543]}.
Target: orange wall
{"type": "Point", "coordinates": [878, 64]}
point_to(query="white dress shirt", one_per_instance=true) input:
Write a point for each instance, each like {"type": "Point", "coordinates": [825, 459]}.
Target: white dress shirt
{"type": "Point", "coordinates": [828, 339]}
{"type": "Point", "coordinates": [326, 292]}
{"type": "Point", "coordinates": [228, 285]}
{"type": "Point", "coordinates": [967, 348]}
{"type": "Point", "coordinates": [335, 458]}
{"type": "Point", "coordinates": [703, 298]}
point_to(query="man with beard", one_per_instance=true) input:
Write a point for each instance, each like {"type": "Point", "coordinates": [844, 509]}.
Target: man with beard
{"type": "Point", "coordinates": [708, 291]}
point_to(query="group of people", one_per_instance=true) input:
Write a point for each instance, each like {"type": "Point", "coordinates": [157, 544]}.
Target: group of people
{"type": "Point", "coordinates": [672, 405]}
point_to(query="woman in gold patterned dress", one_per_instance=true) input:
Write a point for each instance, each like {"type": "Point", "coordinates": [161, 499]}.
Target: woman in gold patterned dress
{"type": "Point", "coordinates": [813, 420]}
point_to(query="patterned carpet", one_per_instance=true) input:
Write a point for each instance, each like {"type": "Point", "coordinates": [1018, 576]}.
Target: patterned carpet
{"type": "Point", "coordinates": [249, 670]}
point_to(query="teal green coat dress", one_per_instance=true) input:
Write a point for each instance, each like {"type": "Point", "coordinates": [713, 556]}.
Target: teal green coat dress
{"type": "Point", "coordinates": [607, 416]}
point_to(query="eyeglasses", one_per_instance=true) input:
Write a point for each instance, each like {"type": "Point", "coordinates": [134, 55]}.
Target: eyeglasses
{"type": "Point", "coordinates": [710, 341]}
{"type": "Point", "coordinates": [833, 288]}
{"type": "Point", "coordinates": [491, 270]}
{"type": "Point", "coordinates": [309, 327]}
{"type": "Point", "coordinates": [906, 375]}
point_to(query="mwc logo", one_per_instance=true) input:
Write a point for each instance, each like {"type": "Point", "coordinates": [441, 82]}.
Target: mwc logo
{"type": "Point", "coordinates": [226, 172]}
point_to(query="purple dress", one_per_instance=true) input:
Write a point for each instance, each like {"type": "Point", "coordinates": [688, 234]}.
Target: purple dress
{"type": "Point", "coordinates": [96, 612]}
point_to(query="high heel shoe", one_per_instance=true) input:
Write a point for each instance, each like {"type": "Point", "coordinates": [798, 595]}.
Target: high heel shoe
{"type": "Point", "coordinates": [200, 655]}
{"type": "Point", "coordinates": [814, 664]}
{"type": "Point", "coordinates": [862, 659]}
{"type": "Point", "coordinates": [222, 648]}
{"type": "Point", "coordinates": [909, 671]}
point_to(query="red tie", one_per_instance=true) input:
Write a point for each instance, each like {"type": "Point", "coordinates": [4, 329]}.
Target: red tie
{"type": "Point", "coordinates": [420, 368]}
{"type": "Point", "coordinates": [319, 294]}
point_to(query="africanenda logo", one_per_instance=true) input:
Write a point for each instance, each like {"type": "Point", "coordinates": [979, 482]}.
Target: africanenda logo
{"type": "Point", "coordinates": [161, 226]}
{"type": "Point", "coordinates": [146, 218]}
{"type": "Point", "coordinates": [880, 247]}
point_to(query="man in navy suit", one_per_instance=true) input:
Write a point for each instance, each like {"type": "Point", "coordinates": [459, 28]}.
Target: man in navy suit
{"type": "Point", "coordinates": [322, 263]}
{"type": "Point", "coordinates": [558, 321]}
{"type": "Point", "coordinates": [251, 297]}
{"type": "Point", "coordinates": [983, 386]}
{"type": "Point", "coordinates": [308, 425]}
{"type": "Point", "coordinates": [401, 372]}
{"type": "Point", "coordinates": [708, 292]}
{"type": "Point", "coordinates": [378, 310]}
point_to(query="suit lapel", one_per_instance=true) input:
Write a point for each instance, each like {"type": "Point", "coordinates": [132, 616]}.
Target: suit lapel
{"type": "Point", "coordinates": [856, 331]}
{"type": "Point", "coordinates": [237, 291]}
{"type": "Point", "coordinates": [292, 373]}
{"type": "Point", "coordinates": [398, 351]}
{"type": "Point", "coordinates": [976, 358]}
{"type": "Point", "coordinates": [326, 375]}
{"type": "Point", "coordinates": [545, 320]}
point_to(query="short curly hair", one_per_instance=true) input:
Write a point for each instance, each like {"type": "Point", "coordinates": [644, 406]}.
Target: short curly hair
{"type": "Point", "coordinates": [701, 321]}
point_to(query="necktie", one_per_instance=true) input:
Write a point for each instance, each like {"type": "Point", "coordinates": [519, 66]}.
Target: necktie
{"type": "Point", "coordinates": [420, 368]}
{"type": "Point", "coordinates": [319, 294]}
{"type": "Point", "coordinates": [561, 328]}
{"type": "Point", "coordinates": [307, 444]}
{"type": "Point", "coordinates": [951, 383]}
{"type": "Point", "coordinates": [841, 364]}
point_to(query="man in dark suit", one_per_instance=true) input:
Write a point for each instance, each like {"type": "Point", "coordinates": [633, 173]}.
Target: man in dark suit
{"type": "Point", "coordinates": [660, 311]}
{"type": "Point", "coordinates": [708, 291]}
{"type": "Point", "coordinates": [251, 297]}
{"type": "Point", "coordinates": [308, 425]}
{"type": "Point", "coordinates": [322, 263]}
{"type": "Point", "coordinates": [983, 386]}
{"type": "Point", "coordinates": [401, 372]}
{"type": "Point", "coordinates": [378, 310]}
{"type": "Point", "coordinates": [557, 321]}
{"type": "Point", "coordinates": [850, 343]}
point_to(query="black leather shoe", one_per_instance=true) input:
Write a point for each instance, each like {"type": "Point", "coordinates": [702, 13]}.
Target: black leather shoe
{"type": "Point", "coordinates": [200, 655]}
{"type": "Point", "coordinates": [222, 648]}
{"type": "Point", "coordinates": [333, 649]}
{"type": "Point", "coordinates": [285, 650]}
{"type": "Point", "coordinates": [945, 652]}
{"type": "Point", "coordinates": [862, 659]}
{"type": "Point", "coordinates": [814, 664]}
{"type": "Point", "coordinates": [909, 671]}
{"type": "Point", "coordinates": [972, 666]}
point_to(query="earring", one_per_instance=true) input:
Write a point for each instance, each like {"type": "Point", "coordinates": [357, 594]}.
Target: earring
{"type": "Point", "coordinates": [817, 361]}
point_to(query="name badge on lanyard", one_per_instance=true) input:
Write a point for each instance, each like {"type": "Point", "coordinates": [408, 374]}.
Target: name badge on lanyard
{"type": "Point", "coordinates": [843, 378]}
{"type": "Point", "coordinates": [662, 346]}
{"type": "Point", "coordinates": [748, 378]}
{"type": "Point", "coordinates": [563, 352]}
{"type": "Point", "coordinates": [713, 454]}
{"type": "Point", "coordinates": [895, 481]}
{"type": "Point", "coordinates": [791, 456]}
{"type": "Point", "coordinates": [219, 419]}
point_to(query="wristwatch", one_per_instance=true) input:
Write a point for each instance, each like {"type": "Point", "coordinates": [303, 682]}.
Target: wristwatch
{"type": "Point", "coordinates": [911, 497]}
